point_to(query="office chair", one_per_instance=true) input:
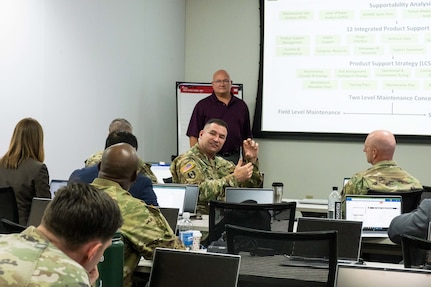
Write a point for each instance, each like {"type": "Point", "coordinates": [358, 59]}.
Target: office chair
{"type": "Point", "coordinates": [12, 227]}
{"type": "Point", "coordinates": [8, 207]}
{"type": "Point", "coordinates": [416, 252]}
{"type": "Point", "coordinates": [426, 193]}
{"type": "Point", "coordinates": [410, 199]}
{"type": "Point", "coordinates": [271, 217]}
{"type": "Point", "coordinates": [262, 265]}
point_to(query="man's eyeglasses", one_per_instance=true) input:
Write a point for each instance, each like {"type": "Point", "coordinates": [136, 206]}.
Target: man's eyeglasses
{"type": "Point", "coordinates": [218, 82]}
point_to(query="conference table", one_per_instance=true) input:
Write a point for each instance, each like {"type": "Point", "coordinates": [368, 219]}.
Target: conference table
{"type": "Point", "coordinates": [373, 251]}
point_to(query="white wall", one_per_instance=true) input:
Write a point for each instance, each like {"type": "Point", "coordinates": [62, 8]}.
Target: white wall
{"type": "Point", "coordinates": [225, 34]}
{"type": "Point", "coordinates": [76, 65]}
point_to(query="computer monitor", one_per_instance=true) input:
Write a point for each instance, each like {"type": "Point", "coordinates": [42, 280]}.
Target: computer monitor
{"type": "Point", "coordinates": [193, 269]}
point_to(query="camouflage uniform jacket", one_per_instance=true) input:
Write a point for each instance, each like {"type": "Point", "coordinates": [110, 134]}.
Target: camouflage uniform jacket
{"type": "Point", "coordinates": [144, 227]}
{"type": "Point", "coordinates": [144, 168]}
{"type": "Point", "coordinates": [383, 176]}
{"type": "Point", "coordinates": [29, 259]}
{"type": "Point", "coordinates": [212, 175]}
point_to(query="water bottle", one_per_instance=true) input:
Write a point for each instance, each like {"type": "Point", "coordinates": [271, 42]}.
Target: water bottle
{"type": "Point", "coordinates": [111, 264]}
{"type": "Point", "coordinates": [334, 204]}
{"type": "Point", "coordinates": [185, 229]}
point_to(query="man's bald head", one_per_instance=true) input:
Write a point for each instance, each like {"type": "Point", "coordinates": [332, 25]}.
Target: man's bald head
{"type": "Point", "coordinates": [121, 125]}
{"type": "Point", "coordinates": [380, 145]}
{"type": "Point", "coordinates": [120, 164]}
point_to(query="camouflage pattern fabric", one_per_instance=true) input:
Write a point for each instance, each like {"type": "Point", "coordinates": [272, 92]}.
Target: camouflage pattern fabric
{"type": "Point", "coordinates": [383, 176]}
{"type": "Point", "coordinates": [212, 175]}
{"type": "Point", "coordinates": [144, 227]}
{"type": "Point", "coordinates": [29, 259]}
{"type": "Point", "coordinates": [144, 168]}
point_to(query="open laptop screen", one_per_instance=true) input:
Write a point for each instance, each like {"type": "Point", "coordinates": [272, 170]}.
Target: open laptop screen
{"type": "Point", "coordinates": [55, 184]}
{"type": "Point", "coordinates": [193, 269]}
{"type": "Point", "coordinates": [170, 195]}
{"type": "Point", "coordinates": [347, 231]}
{"type": "Point", "coordinates": [161, 171]}
{"type": "Point", "coordinates": [363, 275]}
{"type": "Point", "coordinates": [38, 206]}
{"type": "Point", "coordinates": [191, 198]}
{"type": "Point", "coordinates": [375, 211]}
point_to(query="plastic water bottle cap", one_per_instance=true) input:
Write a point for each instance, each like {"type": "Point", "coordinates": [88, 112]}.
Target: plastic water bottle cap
{"type": "Point", "coordinates": [186, 215]}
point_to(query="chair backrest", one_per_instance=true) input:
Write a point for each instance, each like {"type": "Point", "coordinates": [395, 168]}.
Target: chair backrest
{"type": "Point", "coordinates": [8, 207]}
{"type": "Point", "coordinates": [410, 198]}
{"type": "Point", "coordinates": [270, 217]}
{"type": "Point", "coordinates": [416, 251]}
{"type": "Point", "coordinates": [426, 193]}
{"type": "Point", "coordinates": [262, 253]}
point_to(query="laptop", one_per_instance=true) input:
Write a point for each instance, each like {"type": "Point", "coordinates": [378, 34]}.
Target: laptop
{"type": "Point", "coordinates": [363, 275]}
{"type": "Point", "coordinates": [55, 184]}
{"type": "Point", "coordinates": [171, 215]}
{"type": "Point", "coordinates": [191, 199]}
{"type": "Point", "coordinates": [375, 211]}
{"type": "Point", "coordinates": [348, 236]}
{"type": "Point", "coordinates": [170, 195]}
{"type": "Point", "coordinates": [161, 171]}
{"type": "Point", "coordinates": [173, 267]}
{"type": "Point", "coordinates": [241, 194]}
{"type": "Point", "coordinates": [38, 206]}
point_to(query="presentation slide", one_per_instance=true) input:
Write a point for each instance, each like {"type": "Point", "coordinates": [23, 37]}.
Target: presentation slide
{"type": "Point", "coordinates": [338, 66]}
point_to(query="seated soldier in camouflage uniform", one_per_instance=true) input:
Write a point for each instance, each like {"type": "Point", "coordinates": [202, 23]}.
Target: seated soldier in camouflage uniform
{"type": "Point", "coordinates": [385, 175]}
{"type": "Point", "coordinates": [144, 227]}
{"type": "Point", "coordinates": [77, 227]}
{"type": "Point", "coordinates": [200, 165]}
{"type": "Point", "coordinates": [125, 126]}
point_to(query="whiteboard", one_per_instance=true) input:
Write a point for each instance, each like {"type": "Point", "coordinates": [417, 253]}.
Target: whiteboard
{"type": "Point", "coordinates": [188, 94]}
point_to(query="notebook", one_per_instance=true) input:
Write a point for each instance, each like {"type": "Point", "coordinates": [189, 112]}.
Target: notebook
{"type": "Point", "coordinates": [375, 211]}
{"type": "Point", "coordinates": [348, 236]}
{"type": "Point", "coordinates": [38, 206]}
{"type": "Point", "coordinates": [241, 194]}
{"type": "Point", "coordinates": [161, 171]}
{"type": "Point", "coordinates": [363, 275]}
{"type": "Point", "coordinates": [193, 269]}
{"type": "Point", "coordinates": [170, 195]}
{"type": "Point", "coordinates": [171, 215]}
{"type": "Point", "coordinates": [55, 184]}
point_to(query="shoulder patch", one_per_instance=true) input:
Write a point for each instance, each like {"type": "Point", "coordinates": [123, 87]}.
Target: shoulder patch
{"type": "Point", "coordinates": [189, 166]}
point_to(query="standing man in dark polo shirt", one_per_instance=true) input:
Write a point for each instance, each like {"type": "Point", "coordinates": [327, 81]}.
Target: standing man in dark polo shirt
{"type": "Point", "coordinates": [222, 104]}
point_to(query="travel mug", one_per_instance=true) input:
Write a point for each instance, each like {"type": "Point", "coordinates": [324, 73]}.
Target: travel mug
{"type": "Point", "coordinates": [278, 191]}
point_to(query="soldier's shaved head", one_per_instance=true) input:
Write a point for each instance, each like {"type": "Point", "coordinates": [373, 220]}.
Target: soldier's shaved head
{"type": "Point", "coordinates": [380, 145]}
{"type": "Point", "coordinates": [120, 164]}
